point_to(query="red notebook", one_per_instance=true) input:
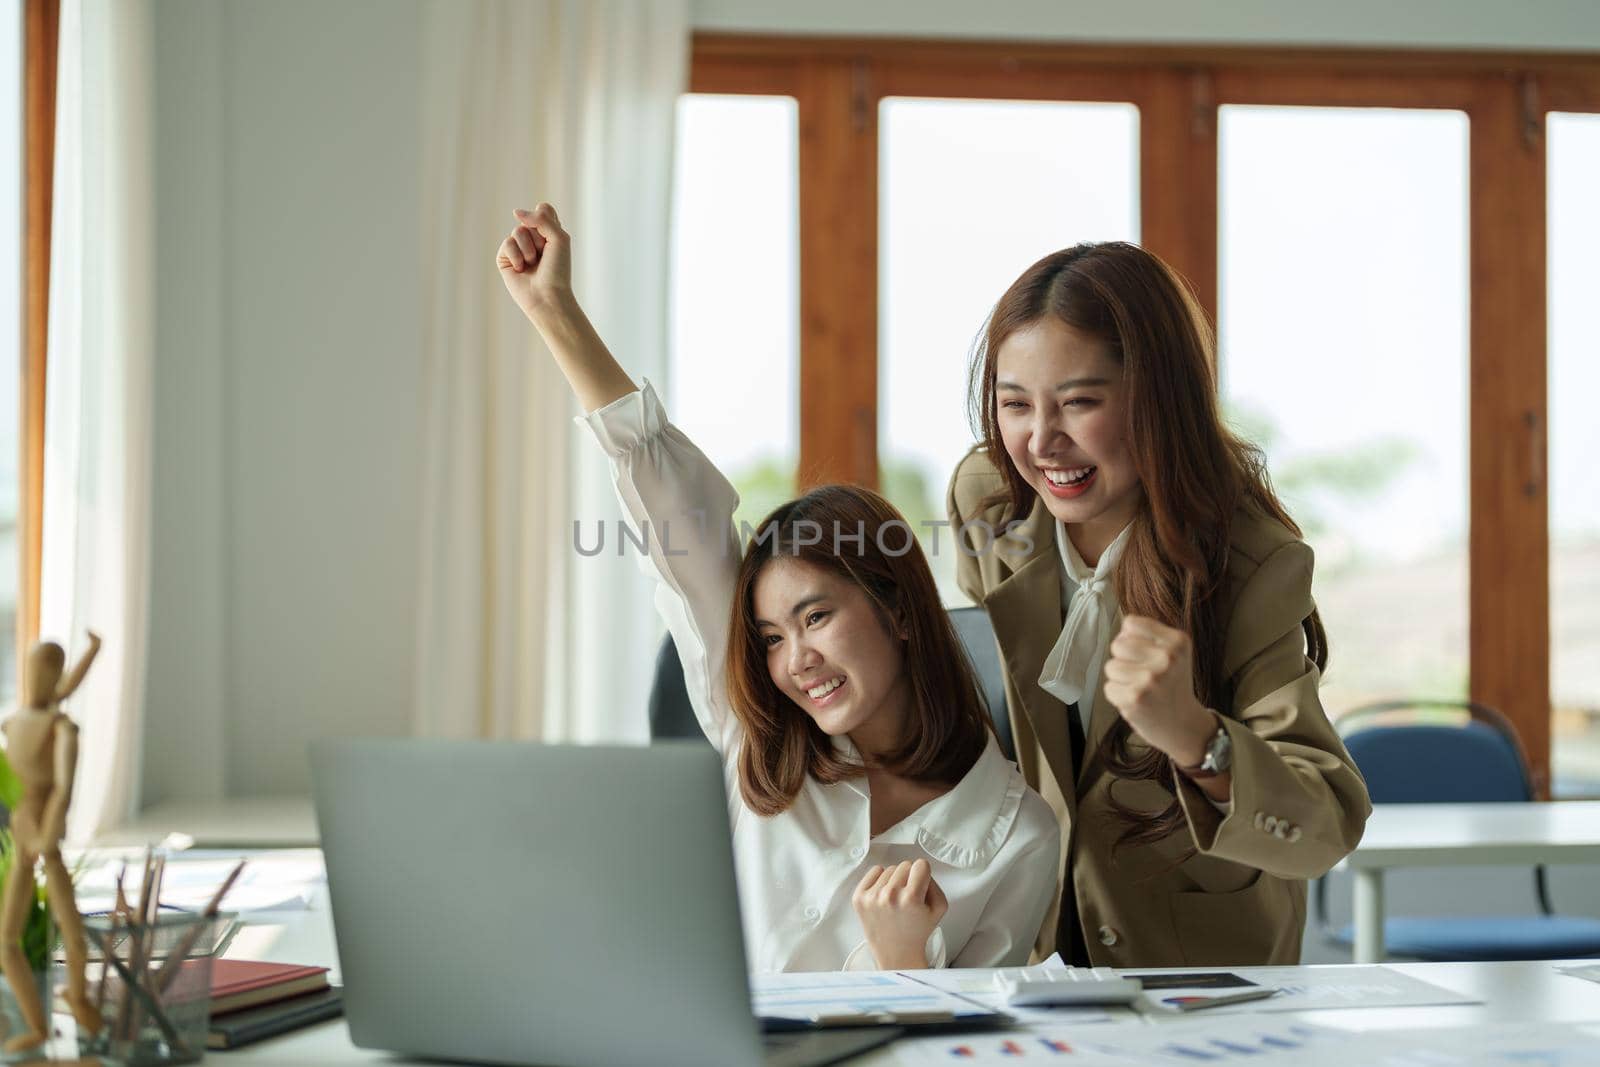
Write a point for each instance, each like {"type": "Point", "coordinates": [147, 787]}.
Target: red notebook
{"type": "Point", "coordinates": [237, 984]}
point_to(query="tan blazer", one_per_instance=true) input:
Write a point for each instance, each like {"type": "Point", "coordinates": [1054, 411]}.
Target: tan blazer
{"type": "Point", "coordinates": [1298, 802]}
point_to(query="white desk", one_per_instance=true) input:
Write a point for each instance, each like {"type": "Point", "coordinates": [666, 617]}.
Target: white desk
{"type": "Point", "coordinates": [1511, 992]}
{"type": "Point", "coordinates": [1457, 835]}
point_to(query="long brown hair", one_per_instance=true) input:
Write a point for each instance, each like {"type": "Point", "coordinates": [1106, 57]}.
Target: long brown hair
{"type": "Point", "coordinates": [1194, 471]}
{"type": "Point", "coordinates": [856, 534]}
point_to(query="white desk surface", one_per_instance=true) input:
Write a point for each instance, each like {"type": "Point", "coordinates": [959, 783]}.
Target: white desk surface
{"type": "Point", "coordinates": [1432, 835]}
{"type": "Point", "coordinates": [1511, 992]}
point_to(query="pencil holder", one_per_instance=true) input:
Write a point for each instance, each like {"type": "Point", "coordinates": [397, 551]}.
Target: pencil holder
{"type": "Point", "coordinates": [152, 987]}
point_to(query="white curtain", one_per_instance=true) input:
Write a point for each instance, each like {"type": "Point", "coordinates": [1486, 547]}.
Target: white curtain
{"type": "Point", "coordinates": [569, 101]}
{"type": "Point", "coordinates": [96, 557]}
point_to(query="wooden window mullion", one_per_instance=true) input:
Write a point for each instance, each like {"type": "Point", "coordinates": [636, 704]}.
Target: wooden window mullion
{"type": "Point", "coordinates": [838, 273]}
{"type": "Point", "coordinates": [1509, 614]}
{"type": "Point", "coordinates": [1178, 176]}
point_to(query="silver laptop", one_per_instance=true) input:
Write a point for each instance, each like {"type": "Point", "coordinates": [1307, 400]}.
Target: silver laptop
{"type": "Point", "coordinates": [543, 904]}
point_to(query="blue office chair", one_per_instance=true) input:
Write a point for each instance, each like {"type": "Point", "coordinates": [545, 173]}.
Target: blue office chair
{"type": "Point", "coordinates": [671, 716]}
{"type": "Point", "coordinates": [1469, 757]}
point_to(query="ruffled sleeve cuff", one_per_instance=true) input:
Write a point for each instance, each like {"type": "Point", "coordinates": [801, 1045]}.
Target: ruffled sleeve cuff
{"type": "Point", "coordinates": [621, 425]}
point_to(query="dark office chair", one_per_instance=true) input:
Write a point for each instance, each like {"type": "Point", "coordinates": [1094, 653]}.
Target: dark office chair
{"type": "Point", "coordinates": [672, 717]}
{"type": "Point", "coordinates": [1473, 757]}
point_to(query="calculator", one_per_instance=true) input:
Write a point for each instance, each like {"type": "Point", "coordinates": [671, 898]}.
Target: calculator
{"type": "Point", "coordinates": [1067, 985]}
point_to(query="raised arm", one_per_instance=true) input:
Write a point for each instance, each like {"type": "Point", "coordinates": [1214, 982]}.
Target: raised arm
{"type": "Point", "coordinates": [75, 679]}
{"type": "Point", "coordinates": [679, 503]}
{"type": "Point", "coordinates": [535, 263]}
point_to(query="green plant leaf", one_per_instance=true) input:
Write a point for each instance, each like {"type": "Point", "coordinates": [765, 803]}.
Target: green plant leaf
{"type": "Point", "coordinates": [10, 784]}
{"type": "Point", "coordinates": [38, 933]}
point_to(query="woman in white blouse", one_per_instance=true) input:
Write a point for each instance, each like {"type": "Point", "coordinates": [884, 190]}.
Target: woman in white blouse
{"type": "Point", "coordinates": [876, 823]}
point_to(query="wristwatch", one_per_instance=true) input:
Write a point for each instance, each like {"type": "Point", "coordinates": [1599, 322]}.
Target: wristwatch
{"type": "Point", "coordinates": [1218, 757]}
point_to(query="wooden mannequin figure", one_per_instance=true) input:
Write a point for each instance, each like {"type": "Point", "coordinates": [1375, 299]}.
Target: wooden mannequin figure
{"type": "Point", "coordinates": [42, 747]}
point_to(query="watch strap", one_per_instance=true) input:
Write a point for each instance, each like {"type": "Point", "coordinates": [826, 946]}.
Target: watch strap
{"type": "Point", "coordinates": [1207, 767]}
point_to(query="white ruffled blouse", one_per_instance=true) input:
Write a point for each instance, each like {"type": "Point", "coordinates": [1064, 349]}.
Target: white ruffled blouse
{"type": "Point", "coordinates": [993, 843]}
{"type": "Point", "coordinates": [1072, 670]}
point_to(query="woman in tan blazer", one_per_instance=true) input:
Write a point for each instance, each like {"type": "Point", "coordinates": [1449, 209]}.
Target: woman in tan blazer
{"type": "Point", "coordinates": [1151, 599]}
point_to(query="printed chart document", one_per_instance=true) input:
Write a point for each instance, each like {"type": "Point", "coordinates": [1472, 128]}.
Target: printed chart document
{"type": "Point", "coordinates": [1198, 990]}
{"type": "Point", "coordinates": [980, 987]}
{"type": "Point", "coordinates": [1315, 988]}
{"type": "Point", "coordinates": [1267, 1042]}
{"type": "Point", "coordinates": [847, 998]}
{"type": "Point", "coordinates": [287, 879]}
{"type": "Point", "coordinates": [1590, 973]}
{"type": "Point", "coordinates": [1257, 1041]}
{"type": "Point", "coordinates": [1483, 1045]}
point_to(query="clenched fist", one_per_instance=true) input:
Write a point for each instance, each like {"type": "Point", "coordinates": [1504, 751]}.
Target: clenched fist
{"type": "Point", "coordinates": [535, 263]}
{"type": "Point", "coordinates": [1150, 680]}
{"type": "Point", "coordinates": [900, 907]}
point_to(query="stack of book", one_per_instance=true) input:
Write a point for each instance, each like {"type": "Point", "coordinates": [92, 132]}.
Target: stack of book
{"type": "Point", "coordinates": [250, 1000]}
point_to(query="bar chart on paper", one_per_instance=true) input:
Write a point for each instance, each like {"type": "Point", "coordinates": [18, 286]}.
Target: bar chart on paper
{"type": "Point", "coordinates": [1269, 1043]}
{"type": "Point", "coordinates": [1095, 1045]}
{"type": "Point", "coordinates": [801, 997]}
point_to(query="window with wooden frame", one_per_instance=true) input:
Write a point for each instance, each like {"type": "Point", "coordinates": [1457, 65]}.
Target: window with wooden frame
{"type": "Point", "coordinates": [1369, 231]}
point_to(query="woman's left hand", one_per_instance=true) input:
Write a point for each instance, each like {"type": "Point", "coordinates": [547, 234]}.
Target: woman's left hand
{"type": "Point", "coordinates": [1150, 681]}
{"type": "Point", "coordinates": [899, 908]}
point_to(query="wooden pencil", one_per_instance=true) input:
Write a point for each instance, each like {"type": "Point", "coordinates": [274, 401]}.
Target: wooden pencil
{"type": "Point", "coordinates": [125, 1004]}
{"type": "Point", "coordinates": [108, 948]}
{"type": "Point", "coordinates": [122, 906]}
{"type": "Point", "coordinates": [175, 958]}
{"type": "Point", "coordinates": [139, 949]}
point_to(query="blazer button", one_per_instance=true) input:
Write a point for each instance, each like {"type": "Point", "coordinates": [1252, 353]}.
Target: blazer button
{"type": "Point", "coordinates": [1282, 831]}
{"type": "Point", "coordinates": [1108, 936]}
{"type": "Point", "coordinates": [1271, 825]}
{"type": "Point", "coordinates": [1294, 834]}
{"type": "Point", "coordinates": [1260, 821]}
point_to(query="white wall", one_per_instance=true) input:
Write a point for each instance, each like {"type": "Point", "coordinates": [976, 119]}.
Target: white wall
{"type": "Point", "coordinates": [288, 379]}
{"type": "Point", "coordinates": [186, 700]}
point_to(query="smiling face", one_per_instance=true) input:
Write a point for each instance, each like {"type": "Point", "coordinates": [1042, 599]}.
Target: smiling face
{"type": "Point", "coordinates": [1060, 407]}
{"type": "Point", "coordinates": [831, 651]}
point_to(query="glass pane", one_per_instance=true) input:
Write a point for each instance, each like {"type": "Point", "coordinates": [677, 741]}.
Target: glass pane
{"type": "Point", "coordinates": [1344, 285]}
{"type": "Point", "coordinates": [971, 193]}
{"type": "Point", "coordinates": [734, 362]}
{"type": "Point", "coordinates": [10, 337]}
{"type": "Point", "coordinates": [1574, 233]}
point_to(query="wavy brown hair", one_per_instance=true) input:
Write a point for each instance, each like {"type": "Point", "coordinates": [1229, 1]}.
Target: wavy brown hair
{"type": "Point", "coordinates": [783, 744]}
{"type": "Point", "coordinates": [1195, 472]}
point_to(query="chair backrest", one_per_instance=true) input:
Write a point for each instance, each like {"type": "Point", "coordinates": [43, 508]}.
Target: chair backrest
{"type": "Point", "coordinates": [977, 637]}
{"type": "Point", "coordinates": [1473, 756]}
{"type": "Point", "coordinates": [671, 716]}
